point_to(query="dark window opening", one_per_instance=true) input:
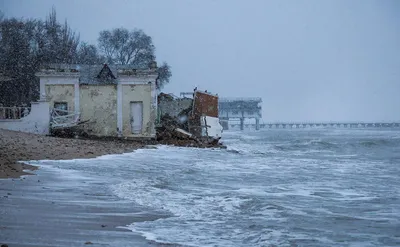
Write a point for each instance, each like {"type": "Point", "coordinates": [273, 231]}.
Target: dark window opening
{"type": "Point", "coordinates": [61, 108]}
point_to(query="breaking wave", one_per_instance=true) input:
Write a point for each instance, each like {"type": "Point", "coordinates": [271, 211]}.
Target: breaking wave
{"type": "Point", "coordinates": [268, 188]}
{"type": "Point", "coordinates": [328, 143]}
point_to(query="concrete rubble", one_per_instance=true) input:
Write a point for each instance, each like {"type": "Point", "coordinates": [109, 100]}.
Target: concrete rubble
{"type": "Point", "coordinates": [183, 121]}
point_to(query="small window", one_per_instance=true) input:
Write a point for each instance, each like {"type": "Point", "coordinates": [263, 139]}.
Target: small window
{"type": "Point", "coordinates": [61, 108]}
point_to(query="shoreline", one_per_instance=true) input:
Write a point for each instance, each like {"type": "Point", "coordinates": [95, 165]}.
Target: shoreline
{"type": "Point", "coordinates": [50, 209]}
{"type": "Point", "coordinates": [20, 146]}
{"type": "Point", "coordinates": [47, 205]}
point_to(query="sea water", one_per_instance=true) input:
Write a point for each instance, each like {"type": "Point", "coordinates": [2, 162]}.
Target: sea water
{"type": "Point", "coordinates": [293, 187]}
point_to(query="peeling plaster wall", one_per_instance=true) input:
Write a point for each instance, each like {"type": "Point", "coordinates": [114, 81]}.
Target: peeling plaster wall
{"type": "Point", "coordinates": [61, 93]}
{"type": "Point", "coordinates": [98, 104]}
{"type": "Point", "coordinates": [137, 93]}
{"type": "Point", "coordinates": [107, 107]}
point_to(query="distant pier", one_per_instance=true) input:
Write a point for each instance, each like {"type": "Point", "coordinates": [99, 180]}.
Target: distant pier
{"type": "Point", "coordinates": [298, 125]}
{"type": "Point", "coordinates": [234, 111]}
{"type": "Point", "coordinates": [239, 109]}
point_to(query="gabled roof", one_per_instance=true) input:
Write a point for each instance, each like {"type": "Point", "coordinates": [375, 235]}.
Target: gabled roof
{"type": "Point", "coordinates": [106, 73]}
{"type": "Point", "coordinates": [97, 74]}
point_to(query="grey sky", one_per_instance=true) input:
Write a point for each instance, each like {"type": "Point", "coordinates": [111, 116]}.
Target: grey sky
{"type": "Point", "coordinates": [308, 60]}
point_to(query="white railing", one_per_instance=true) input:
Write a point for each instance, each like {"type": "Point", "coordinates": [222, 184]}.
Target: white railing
{"type": "Point", "coordinates": [12, 113]}
{"type": "Point", "coordinates": [62, 118]}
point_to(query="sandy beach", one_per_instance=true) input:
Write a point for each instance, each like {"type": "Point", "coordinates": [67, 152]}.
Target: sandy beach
{"type": "Point", "coordinates": [20, 146]}
{"type": "Point", "coordinates": [51, 209]}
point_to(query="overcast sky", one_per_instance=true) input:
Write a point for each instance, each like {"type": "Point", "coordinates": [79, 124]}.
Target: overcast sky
{"type": "Point", "coordinates": [308, 60]}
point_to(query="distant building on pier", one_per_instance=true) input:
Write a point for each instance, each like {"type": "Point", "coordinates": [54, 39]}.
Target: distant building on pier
{"type": "Point", "coordinates": [239, 108]}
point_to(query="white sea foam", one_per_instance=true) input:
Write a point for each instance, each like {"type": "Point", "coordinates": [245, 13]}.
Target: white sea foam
{"type": "Point", "coordinates": [202, 211]}
{"type": "Point", "coordinates": [190, 205]}
{"type": "Point", "coordinates": [55, 167]}
{"type": "Point", "coordinates": [222, 198]}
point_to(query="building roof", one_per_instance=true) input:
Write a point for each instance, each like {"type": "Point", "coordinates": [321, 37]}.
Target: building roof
{"type": "Point", "coordinates": [95, 74]}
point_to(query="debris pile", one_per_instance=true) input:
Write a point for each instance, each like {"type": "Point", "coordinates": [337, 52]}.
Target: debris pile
{"type": "Point", "coordinates": [183, 121]}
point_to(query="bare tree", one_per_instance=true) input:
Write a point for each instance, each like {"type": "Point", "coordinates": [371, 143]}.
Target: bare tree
{"type": "Point", "coordinates": [24, 46]}
{"type": "Point", "coordinates": [60, 41]}
{"type": "Point", "coordinates": [17, 60]}
{"type": "Point", "coordinates": [88, 54]}
{"type": "Point", "coordinates": [164, 73]}
{"type": "Point", "coordinates": [121, 46]}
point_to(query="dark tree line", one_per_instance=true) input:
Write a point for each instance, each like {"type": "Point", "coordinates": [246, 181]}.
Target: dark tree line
{"type": "Point", "coordinates": [26, 44]}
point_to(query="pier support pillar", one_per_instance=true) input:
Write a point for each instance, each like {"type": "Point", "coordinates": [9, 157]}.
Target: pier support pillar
{"type": "Point", "coordinates": [242, 124]}
{"type": "Point", "coordinates": [225, 124]}
{"type": "Point", "coordinates": [257, 124]}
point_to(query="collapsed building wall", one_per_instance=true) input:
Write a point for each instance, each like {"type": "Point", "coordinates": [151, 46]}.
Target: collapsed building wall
{"type": "Point", "coordinates": [205, 104]}
{"type": "Point", "coordinates": [168, 105]}
{"type": "Point", "coordinates": [195, 118]}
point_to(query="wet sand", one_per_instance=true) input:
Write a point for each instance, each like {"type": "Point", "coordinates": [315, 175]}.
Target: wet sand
{"type": "Point", "coordinates": [50, 209]}
{"type": "Point", "coordinates": [20, 146]}
{"type": "Point", "coordinates": [47, 208]}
